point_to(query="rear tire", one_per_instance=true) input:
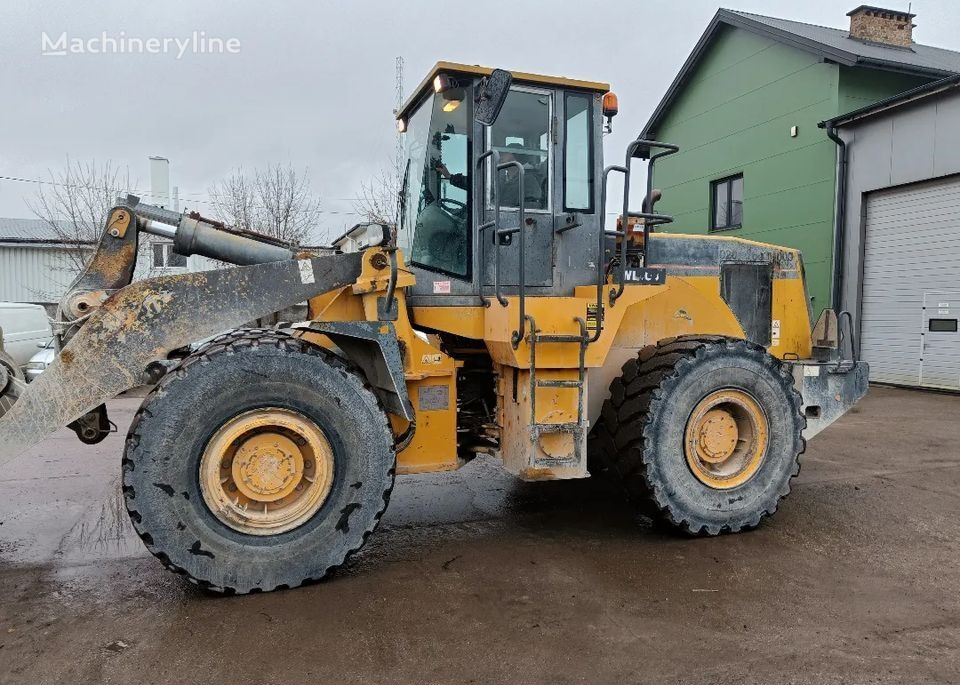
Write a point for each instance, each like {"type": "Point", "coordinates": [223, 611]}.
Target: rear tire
{"type": "Point", "coordinates": [733, 472]}
{"type": "Point", "coordinates": [256, 372]}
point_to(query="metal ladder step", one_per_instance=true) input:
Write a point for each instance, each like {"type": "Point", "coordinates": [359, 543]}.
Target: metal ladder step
{"type": "Point", "coordinates": [567, 427]}
{"type": "Point", "coordinates": [558, 338]}
{"type": "Point", "coordinates": [575, 428]}
{"type": "Point", "coordinates": [559, 384]}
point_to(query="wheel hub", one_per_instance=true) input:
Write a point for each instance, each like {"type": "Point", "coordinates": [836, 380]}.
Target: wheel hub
{"type": "Point", "coordinates": [725, 439]}
{"type": "Point", "coordinates": [267, 467]}
{"type": "Point", "coordinates": [717, 436]}
{"type": "Point", "coordinates": [266, 471]}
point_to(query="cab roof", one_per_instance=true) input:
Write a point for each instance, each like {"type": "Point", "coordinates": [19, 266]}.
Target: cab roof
{"type": "Point", "coordinates": [476, 70]}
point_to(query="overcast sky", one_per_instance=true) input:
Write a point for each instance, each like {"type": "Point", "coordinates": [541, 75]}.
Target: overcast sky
{"type": "Point", "coordinates": [313, 81]}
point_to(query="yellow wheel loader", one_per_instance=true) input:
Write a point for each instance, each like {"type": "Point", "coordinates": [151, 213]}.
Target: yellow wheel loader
{"type": "Point", "coordinates": [501, 316]}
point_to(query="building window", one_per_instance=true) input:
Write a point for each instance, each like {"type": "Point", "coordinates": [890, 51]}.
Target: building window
{"type": "Point", "coordinates": [578, 154]}
{"type": "Point", "coordinates": [726, 203]}
{"type": "Point", "coordinates": [165, 258]}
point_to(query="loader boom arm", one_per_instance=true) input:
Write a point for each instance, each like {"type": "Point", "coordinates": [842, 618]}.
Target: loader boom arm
{"type": "Point", "coordinates": [112, 264]}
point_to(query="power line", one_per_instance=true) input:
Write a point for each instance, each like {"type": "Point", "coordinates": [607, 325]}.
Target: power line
{"type": "Point", "coordinates": [135, 191]}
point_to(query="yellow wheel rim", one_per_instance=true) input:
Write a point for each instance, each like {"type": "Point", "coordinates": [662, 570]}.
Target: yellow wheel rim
{"type": "Point", "coordinates": [725, 439]}
{"type": "Point", "coordinates": [266, 471]}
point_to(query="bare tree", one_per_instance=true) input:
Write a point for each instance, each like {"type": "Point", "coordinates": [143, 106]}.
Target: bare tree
{"type": "Point", "coordinates": [74, 204]}
{"type": "Point", "coordinates": [289, 207]}
{"type": "Point", "coordinates": [276, 201]}
{"type": "Point", "coordinates": [235, 200]}
{"type": "Point", "coordinates": [378, 201]}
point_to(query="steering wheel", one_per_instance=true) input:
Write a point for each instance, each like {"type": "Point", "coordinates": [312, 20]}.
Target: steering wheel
{"type": "Point", "coordinates": [453, 208]}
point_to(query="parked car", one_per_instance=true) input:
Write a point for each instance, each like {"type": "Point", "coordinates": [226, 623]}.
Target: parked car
{"type": "Point", "coordinates": [40, 361]}
{"type": "Point", "coordinates": [23, 327]}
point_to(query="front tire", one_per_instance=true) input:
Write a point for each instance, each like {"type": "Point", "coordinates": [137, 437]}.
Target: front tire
{"type": "Point", "coordinates": [707, 428]}
{"type": "Point", "coordinates": [261, 462]}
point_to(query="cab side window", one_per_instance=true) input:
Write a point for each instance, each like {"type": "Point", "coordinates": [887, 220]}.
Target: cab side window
{"type": "Point", "coordinates": [578, 153]}
{"type": "Point", "coordinates": [436, 194]}
{"type": "Point", "coordinates": [522, 134]}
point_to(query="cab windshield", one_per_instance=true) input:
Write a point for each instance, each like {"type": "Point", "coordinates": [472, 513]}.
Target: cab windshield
{"type": "Point", "coordinates": [435, 215]}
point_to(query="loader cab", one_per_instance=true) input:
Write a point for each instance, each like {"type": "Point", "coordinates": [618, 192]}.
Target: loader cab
{"type": "Point", "coordinates": [547, 130]}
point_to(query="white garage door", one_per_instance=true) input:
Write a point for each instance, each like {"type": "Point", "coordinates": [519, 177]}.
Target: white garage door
{"type": "Point", "coordinates": [911, 285]}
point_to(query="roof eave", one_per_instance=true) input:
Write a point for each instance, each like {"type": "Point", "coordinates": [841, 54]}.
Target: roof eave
{"type": "Point", "coordinates": [792, 39]}
{"type": "Point", "coordinates": [681, 76]}
{"type": "Point", "coordinates": [899, 100]}
{"type": "Point", "coordinates": [785, 37]}
{"type": "Point", "coordinates": [737, 21]}
{"type": "Point", "coordinates": [901, 68]}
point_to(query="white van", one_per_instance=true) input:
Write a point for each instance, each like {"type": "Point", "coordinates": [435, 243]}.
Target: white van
{"type": "Point", "coordinates": [24, 328]}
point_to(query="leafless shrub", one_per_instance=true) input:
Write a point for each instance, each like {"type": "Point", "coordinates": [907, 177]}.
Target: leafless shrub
{"type": "Point", "coordinates": [275, 201]}
{"type": "Point", "coordinates": [379, 197]}
{"type": "Point", "coordinates": [74, 203]}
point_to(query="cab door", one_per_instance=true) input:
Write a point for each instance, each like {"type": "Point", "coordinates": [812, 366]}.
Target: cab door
{"type": "Point", "coordinates": [524, 133]}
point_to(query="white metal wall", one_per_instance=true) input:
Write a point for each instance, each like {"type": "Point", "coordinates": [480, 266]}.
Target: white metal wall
{"type": "Point", "coordinates": [34, 273]}
{"type": "Point", "coordinates": [911, 249]}
{"type": "Point", "coordinates": [146, 269]}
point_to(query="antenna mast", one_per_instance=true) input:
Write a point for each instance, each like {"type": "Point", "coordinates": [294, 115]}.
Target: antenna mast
{"type": "Point", "coordinates": [398, 97]}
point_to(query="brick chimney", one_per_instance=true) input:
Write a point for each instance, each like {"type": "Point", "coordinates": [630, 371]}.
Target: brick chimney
{"type": "Point", "coordinates": [879, 25]}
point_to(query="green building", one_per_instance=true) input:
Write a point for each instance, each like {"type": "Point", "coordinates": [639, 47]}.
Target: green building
{"type": "Point", "coordinates": [744, 110]}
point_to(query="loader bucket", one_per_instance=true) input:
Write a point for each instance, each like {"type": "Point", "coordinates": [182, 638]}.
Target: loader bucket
{"type": "Point", "coordinates": [143, 322]}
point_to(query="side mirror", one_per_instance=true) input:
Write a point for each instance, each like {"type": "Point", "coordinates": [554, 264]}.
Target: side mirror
{"type": "Point", "coordinates": [491, 93]}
